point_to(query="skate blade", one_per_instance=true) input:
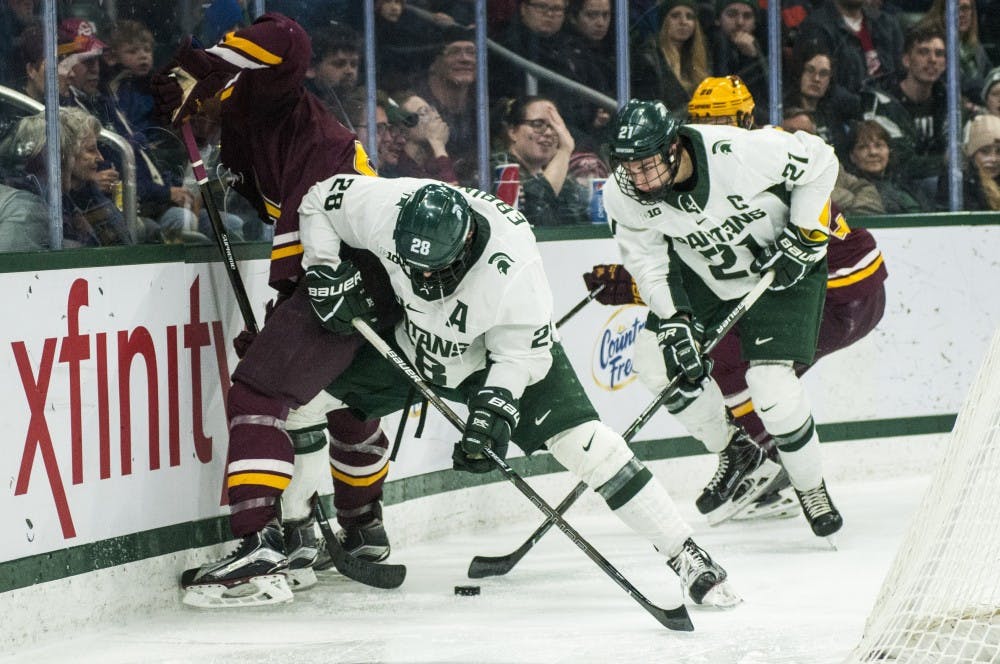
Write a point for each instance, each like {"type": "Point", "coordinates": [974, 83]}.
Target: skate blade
{"type": "Point", "coordinates": [301, 578]}
{"type": "Point", "coordinates": [722, 596]}
{"type": "Point", "coordinates": [832, 541]}
{"type": "Point", "coordinates": [749, 489]}
{"type": "Point", "coordinates": [784, 508]}
{"type": "Point", "coordinates": [256, 591]}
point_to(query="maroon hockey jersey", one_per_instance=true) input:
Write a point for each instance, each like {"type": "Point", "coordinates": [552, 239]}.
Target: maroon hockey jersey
{"type": "Point", "coordinates": [854, 263]}
{"type": "Point", "coordinates": [277, 137]}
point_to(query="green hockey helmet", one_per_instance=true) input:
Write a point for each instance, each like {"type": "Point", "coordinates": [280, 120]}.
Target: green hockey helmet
{"type": "Point", "coordinates": [433, 239]}
{"type": "Point", "coordinates": [640, 130]}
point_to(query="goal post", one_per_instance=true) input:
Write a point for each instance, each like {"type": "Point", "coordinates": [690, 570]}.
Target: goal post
{"type": "Point", "coordinates": [940, 602]}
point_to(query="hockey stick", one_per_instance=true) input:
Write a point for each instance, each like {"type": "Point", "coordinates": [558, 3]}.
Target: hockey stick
{"type": "Point", "coordinates": [580, 305]}
{"type": "Point", "coordinates": [483, 566]}
{"type": "Point", "coordinates": [377, 575]}
{"type": "Point", "coordinates": [221, 236]}
{"type": "Point", "coordinates": [675, 619]}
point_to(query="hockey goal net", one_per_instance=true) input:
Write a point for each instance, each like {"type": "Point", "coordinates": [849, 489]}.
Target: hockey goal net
{"type": "Point", "coordinates": [940, 603]}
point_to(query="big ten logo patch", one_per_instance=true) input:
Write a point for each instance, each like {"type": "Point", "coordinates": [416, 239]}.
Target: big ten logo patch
{"type": "Point", "coordinates": [611, 362]}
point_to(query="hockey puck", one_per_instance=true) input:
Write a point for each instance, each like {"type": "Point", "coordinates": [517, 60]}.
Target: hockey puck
{"type": "Point", "coordinates": [467, 591]}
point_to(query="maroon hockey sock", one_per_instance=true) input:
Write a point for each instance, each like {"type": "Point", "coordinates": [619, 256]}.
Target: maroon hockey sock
{"type": "Point", "coordinates": [260, 461]}
{"type": "Point", "coordinates": [359, 457]}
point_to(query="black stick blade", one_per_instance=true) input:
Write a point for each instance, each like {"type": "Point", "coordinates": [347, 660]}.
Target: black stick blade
{"type": "Point", "coordinates": [675, 619]}
{"type": "Point", "coordinates": [371, 574]}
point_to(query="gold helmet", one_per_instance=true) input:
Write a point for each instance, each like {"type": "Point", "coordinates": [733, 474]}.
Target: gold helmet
{"type": "Point", "coordinates": [722, 100]}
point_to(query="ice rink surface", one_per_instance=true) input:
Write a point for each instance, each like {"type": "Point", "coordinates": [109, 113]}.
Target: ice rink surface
{"type": "Point", "coordinates": [804, 602]}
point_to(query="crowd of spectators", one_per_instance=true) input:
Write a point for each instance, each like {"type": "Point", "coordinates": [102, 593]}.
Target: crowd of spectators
{"type": "Point", "coordinates": [865, 75]}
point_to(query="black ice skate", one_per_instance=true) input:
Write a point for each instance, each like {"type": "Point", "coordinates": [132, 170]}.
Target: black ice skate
{"type": "Point", "coordinates": [823, 517]}
{"type": "Point", "coordinates": [368, 542]}
{"type": "Point", "coordinates": [743, 474]}
{"type": "Point", "coordinates": [702, 578]}
{"type": "Point", "coordinates": [775, 503]}
{"type": "Point", "coordinates": [303, 547]}
{"type": "Point", "coordinates": [252, 575]}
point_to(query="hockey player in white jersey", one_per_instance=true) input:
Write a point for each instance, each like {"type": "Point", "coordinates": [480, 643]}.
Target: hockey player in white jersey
{"type": "Point", "coordinates": [477, 326]}
{"type": "Point", "coordinates": [699, 213]}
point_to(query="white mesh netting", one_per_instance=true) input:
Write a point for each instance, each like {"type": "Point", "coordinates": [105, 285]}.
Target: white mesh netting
{"type": "Point", "coordinates": [940, 603]}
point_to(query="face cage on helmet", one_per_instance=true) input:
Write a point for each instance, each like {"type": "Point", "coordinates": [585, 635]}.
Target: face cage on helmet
{"type": "Point", "coordinates": [444, 281]}
{"type": "Point", "coordinates": [740, 119]}
{"type": "Point", "coordinates": [625, 183]}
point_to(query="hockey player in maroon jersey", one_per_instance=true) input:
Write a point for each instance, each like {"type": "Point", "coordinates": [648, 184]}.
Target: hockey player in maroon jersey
{"type": "Point", "coordinates": [279, 140]}
{"type": "Point", "coordinates": [855, 298]}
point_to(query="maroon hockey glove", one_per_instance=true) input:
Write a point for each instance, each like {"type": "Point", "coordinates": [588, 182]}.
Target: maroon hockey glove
{"type": "Point", "coordinates": [191, 78]}
{"type": "Point", "coordinates": [243, 340]}
{"type": "Point", "coordinates": [619, 287]}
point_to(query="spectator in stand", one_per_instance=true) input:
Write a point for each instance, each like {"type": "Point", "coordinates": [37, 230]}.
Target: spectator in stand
{"type": "Point", "coordinates": [162, 196]}
{"type": "Point", "coordinates": [425, 154]}
{"type": "Point", "coordinates": [390, 127]}
{"type": "Point", "coordinates": [24, 221]}
{"type": "Point", "coordinates": [973, 63]}
{"type": "Point", "coordinates": [982, 166]}
{"type": "Point", "coordinates": [853, 195]}
{"type": "Point", "coordinates": [914, 109]}
{"type": "Point", "coordinates": [131, 59]}
{"type": "Point", "coordinates": [866, 44]}
{"type": "Point", "coordinates": [735, 49]}
{"type": "Point", "coordinates": [669, 66]}
{"type": "Point", "coordinates": [991, 93]}
{"type": "Point", "coordinates": [220, 17]}
{"type": "Point", "coordinates": [401, 42]}
{"type": "Point", "coordinates": [333, 74]}
{"type": "Point", "coordinates": [871, 159]}
{"type": "Point", "coordinates": [206, 127]}
{"type": "Point", "coordinates": [534, 136]}
{"type": "Point", "coordinates": [90, 219]}
{"type": "Point", "coordinates": [592, 46]}
{"type": "Point", "coordinates": [536, 34]}
{"type": "Point", "coordinates": [446, 13]}
{"type": "Point", "coordinates": [450, 87]}
{"type": "Point", "coordinates": [15, 16]}
{"type": "Point", "coordinates": [29, 62]}
{"type": "Point", "coordinates": [810, 86]}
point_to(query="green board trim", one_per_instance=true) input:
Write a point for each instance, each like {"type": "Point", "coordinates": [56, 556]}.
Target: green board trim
{"type": "Point", "coordinates": [208, 253]}
{"type": "Point", "coordinates": [64, 563]}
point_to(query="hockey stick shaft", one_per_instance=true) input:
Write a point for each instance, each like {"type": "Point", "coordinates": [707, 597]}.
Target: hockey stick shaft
{"type": "Point", "coordinates": [579, 305]}
{"type": "Point", "coordinates": [221, 236]}
{"type": "Point", "coordinates": [483, 566]}
{"type": "Point", "coordinates": [675, 619]}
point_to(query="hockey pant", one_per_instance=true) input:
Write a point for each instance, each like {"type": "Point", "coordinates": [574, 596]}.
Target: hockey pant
{"type": "Point", "coordinates": [292, 359]}
{"type": "Point", "coordinates": [601, 458]}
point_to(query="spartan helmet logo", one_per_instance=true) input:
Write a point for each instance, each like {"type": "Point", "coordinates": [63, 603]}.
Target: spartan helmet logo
{"type": "Point", "coordinates": [502, 261]}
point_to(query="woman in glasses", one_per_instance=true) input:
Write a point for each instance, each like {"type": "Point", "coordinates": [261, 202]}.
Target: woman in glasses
{"type": "Point", "coordinates": [533, 136]}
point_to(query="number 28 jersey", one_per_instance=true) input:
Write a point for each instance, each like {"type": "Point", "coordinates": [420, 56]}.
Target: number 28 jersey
{"type": "Point", "coordinates": [746, 187]}
{"type": "Point", "coordinates": [499, 316]}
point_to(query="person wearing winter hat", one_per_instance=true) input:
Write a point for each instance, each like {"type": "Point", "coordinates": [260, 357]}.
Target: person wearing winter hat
{"type": "Point", "coordinates": [669, 66]}
{"type": "Point", "coordinates": [982, 170]}
{"type": "Point", "coordinates": [735, 49]}
{"type": "Point", "coordinates": [991, 92]}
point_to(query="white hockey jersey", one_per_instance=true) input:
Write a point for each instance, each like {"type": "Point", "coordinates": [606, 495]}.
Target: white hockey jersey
{"type": "Point", "coordinates": [748, 186]}
{"type": "Point", "coordinates": [501, 310]}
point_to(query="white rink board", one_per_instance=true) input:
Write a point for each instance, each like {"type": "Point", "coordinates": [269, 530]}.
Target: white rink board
{"type": "Point", "coordinates": [941, 312]}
